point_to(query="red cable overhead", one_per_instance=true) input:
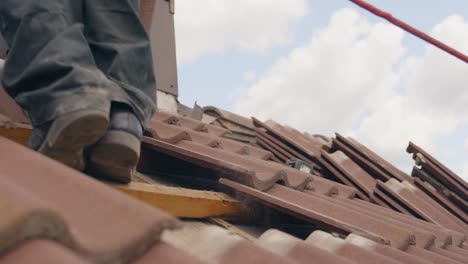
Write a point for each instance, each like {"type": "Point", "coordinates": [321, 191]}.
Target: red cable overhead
{"type": "Point", "coordinates": [411, 29]}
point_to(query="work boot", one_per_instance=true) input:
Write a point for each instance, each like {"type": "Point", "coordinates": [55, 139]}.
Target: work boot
{"type": "Point", "coordinates": [116, 155]}
{"type": "Point", "coordinates": [65, 138]}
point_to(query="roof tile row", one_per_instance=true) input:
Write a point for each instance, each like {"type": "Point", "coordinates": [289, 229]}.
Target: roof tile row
{"type": "Point", "coordinates": [242, 162]}
{"type": "Point", "coordinates": [401, 232]}
{"type": "Point", "coordinates": [48, 200]}
{"type": "Point", "coordinates": [421, 205]}
{"type": "Point", "coordinates": [85, 233]}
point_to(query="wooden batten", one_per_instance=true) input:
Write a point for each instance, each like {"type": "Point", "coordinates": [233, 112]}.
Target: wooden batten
{"type": "Point", "coordinates": [185, 203]}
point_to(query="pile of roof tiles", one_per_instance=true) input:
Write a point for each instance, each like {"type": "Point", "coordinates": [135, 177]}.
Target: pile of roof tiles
{"type": "Point", "coordinates": [439, 182]}
{"type": "Point", "coordinates": [242, 128]}
{"type": "Point", "coordinates": [248, 172]}
{"type": "Point", "coordinates": [384, 184]}
{"type": "Point", "coordinates": [287, 143]}
{"type": "Point", "coordinates": [363, 209]}
{"type": "Point", "coordinates": [209, 146]}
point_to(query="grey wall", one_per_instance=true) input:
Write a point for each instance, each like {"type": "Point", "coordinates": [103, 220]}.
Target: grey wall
{"type": "Point", "coordinates": [162, 34]}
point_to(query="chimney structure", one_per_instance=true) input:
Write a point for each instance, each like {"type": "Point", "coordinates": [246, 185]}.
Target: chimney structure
{"type": "Point", "coordinates": [158, 18]}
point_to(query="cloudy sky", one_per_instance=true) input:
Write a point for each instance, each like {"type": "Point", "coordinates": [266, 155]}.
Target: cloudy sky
{"type": "Point", "coordinates": [327, 66]}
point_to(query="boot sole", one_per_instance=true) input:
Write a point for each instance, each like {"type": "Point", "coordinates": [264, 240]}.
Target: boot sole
{"type": "Point", "coordinates": [115, 157]}
{"type": "Point", "coordinates": [70, 135]}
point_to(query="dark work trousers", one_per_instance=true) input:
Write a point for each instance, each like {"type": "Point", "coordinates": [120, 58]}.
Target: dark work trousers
{"type": "Point", "coordinates": [69, 55]}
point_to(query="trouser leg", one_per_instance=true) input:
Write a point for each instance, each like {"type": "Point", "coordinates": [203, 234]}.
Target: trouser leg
{"type": "Point", "coordinates": [121, 49]}
{"type": "Point", "coordinates": [50, 69]}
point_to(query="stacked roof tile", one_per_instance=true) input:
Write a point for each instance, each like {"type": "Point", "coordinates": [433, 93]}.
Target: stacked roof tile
{"type": "Point", "coordinates": [242, 128]}
{"type": "Point", "coordinates": [362, 208]}
{"type": "Point", "coordinates": [252, 177]}
{"type": "Point", "coordinates": [359, 207]}
{"type": "Point", "coordinates": [289, 143]}
{"type": "Point", "coordinates": [206, 145]}
{"type": "Point", "coordinates": [440, 182]}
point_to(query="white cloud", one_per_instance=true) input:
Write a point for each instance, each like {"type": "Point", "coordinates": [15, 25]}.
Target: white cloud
{"type": "Point", "coordinates": [466, 144]}
{"type": "Point", "coordinates": [214, 26]}
{"type": "Point", "coordinates": [389, 129]}
{"type": "Point", "coordinates": [438, 81]}
{"type": "Point", "coordinates": [435, 100]}
{"type": "Point", "coordinates": [249, 77]}
{"type": "Point", "coordinates": [327, 84]}
{"type": "Point", "coordinates": [352, 78]}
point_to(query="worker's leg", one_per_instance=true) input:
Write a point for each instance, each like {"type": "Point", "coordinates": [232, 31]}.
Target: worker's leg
{"type": "Point", "coordinates": [122, 51]}
{"type": "Point", "coordinates": [51, 73]}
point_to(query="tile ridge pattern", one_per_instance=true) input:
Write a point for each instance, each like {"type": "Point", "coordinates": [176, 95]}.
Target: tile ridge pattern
{"type": "Point", "coordinates": [46, 199]}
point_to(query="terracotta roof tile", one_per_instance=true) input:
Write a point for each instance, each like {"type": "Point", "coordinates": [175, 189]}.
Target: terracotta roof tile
{"type": "Point", "coordinates": [337, 175]}
{"type": "Point", "coordinates": [457, 256]}
{"type": "Point", "coordinates": [451, 182]}
{"type": "Point", "coordinates": [321, 211]}
{"type": "Point", "coordinates": [288, 142]}
{"type": "Point", "coordinates": [274, 148]}
{"type": "Point", "coordinates": [376, 159]}
{"type": "Point", "coordinates": [294, 248]}
{"type": "Point", "coordinates": [350, 251]}
{"type": "Point", "coordinates": [330, 188]}
{"type": "Point", "coordinates": [168, 133]}
{"type": "Point", "coordinates": [430, 256]}
{"type": "Point", "coordinates": [295, 139]}
{"type": "Point", "coordinates": [83, 232]}
{"type": "Point", "coordinates": [441, 199]}
{"type": "Point", "coordinates": [359, 177]}
{"type": "Point", "coordinates": [190, 124]}
{"type": "Point", "coordinates": [164, 253]}
{"type": "Point", "coordinates": [387, 201]}
{"type": "Point", "coordinates": [252, 168]}
{"type": "Point", "coordinates": [234, 118]}
{"type": "Point", "coordinates": [443, 236]}
{"type": "Point", "coordinates": [422, 205]}
{"type": "Point", "coordinates": [216, 245]}
{"type": "Point", "coordinates": [383, 250]}
{"type": "Point", "coordinates": [446, 172]}
{"type": "Point", "coordinates": [291, 178]}
{"type": "Point", "coordinates": [459, 251]}
{"type": "Point", "coordinates": [367, 165]}
{"type": "Point", "coordinates": [423, 237]}
{"type": "Point", "coordinates": [310, 144]}
{"type": "Point", "coordinates": [54, 214]}
{"type": "Point", "coordinates": [43, 251]}
{"type": "Point", "coordinates": [47, 199]}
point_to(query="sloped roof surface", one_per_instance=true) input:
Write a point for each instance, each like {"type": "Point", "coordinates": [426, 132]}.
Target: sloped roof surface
{"type": "Point", "coordinates": [362, 208]}
{"type": "Point", "coordinates": [48, 200]}
{"type": "Point", "coordinates": [358, 207]}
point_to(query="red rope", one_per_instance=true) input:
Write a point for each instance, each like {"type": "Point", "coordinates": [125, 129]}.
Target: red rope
{"type": "Point", "coordinates": [411, 29]}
